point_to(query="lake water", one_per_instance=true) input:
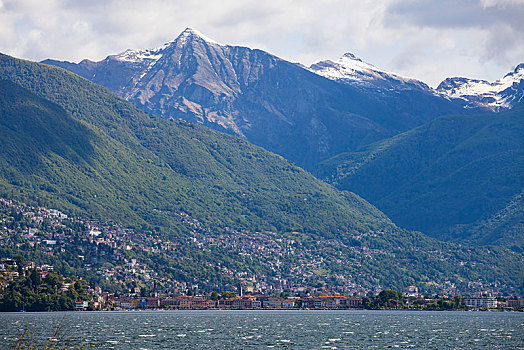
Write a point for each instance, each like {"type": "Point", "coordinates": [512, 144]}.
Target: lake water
{"type": "Point", "coordinates": [274, 329]}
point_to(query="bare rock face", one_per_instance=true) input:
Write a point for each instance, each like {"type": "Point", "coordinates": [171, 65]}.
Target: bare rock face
{"type": "Point", "coordinates": [273, 103]}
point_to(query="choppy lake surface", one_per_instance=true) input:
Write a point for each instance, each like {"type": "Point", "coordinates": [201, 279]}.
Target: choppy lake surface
{"type": "Point", "coordinates": [273, 329]}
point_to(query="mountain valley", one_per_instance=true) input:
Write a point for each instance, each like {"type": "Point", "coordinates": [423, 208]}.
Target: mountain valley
{"type": "Point", "coordinates": [456, 178]}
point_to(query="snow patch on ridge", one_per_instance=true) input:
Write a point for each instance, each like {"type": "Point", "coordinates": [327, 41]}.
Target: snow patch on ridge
{"type": "Point", "coordinates": [351, 69]}
{"type": "Point", "coordinates": [138, 55]}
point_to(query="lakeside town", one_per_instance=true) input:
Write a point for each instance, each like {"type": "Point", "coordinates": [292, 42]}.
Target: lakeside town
{"type": "Point", "coordinates": [42, 279]}
{"type": "Point", "coordinates": [114, 260]}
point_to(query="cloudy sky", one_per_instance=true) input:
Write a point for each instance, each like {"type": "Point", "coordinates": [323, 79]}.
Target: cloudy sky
{"type": "Point", "coordinates": [428, 40]}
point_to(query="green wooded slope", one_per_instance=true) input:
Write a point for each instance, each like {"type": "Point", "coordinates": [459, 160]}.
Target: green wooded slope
{"type": "Point", "coordinates": [458, 177]}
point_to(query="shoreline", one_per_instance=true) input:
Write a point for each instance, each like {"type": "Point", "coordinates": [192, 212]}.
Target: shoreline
{"type": "Point", "coordinates": [246, 310]}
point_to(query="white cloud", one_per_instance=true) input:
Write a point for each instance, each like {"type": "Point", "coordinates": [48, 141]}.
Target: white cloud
{"type": "Point", "coordinates": [429, 40]}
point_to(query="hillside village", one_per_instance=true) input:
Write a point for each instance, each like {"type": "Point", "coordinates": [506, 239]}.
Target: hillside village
{"type": "Point", "coordinates": [120, 263]}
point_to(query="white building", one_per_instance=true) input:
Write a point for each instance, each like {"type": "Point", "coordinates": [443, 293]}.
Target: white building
{"type": "Point", "coordinates": [411, 291]}
{"type": "Point", "coordinates": [481, 302]}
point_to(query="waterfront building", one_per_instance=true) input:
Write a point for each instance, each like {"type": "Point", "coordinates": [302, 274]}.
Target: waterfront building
{"type": "Point", "coordinates": [516, 304]}
{"type": "Point", "coordinates": [484, 302]}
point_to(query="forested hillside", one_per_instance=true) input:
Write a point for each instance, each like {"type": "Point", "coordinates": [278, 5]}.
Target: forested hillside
{"type": "Point", "coordinates": [457, 178]}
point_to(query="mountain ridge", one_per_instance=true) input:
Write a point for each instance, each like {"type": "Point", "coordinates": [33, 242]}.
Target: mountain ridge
{"type": "Point", "coordinates": [350, 69]}
{"type": "Point", "coordinates": [270, 102]}
{"type": "Point", "coordinates": [157, 142]}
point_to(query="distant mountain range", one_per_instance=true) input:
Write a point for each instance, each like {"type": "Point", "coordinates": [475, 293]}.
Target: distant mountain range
{"type": "Point", "coordinates": [73, 145]}
{"type": "Point", "coordinates": [326, 117]}
{"type": "Point", "coordinates": [281, 106]}
{"type": "Point", "coordinates": [272, 103]}
{"type": "Point", "coordinates": [476, 94]}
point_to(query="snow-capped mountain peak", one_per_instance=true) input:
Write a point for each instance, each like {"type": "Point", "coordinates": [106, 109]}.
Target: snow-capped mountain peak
{"type": "Point", "coordinates": [502, 93]}
{"type": "Point", "coordinates": [346, 67]}
{"type": "Point", "coordinates": [150, 56]}
{"type": "Point", "coordinates": [190, 33]}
